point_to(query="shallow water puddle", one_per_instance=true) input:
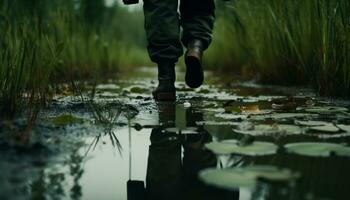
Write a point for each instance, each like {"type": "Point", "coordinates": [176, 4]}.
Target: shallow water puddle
{"type": "Point", "coordinates": [80, 147]}
{"type": "Point", "coordinates": [106, 172]}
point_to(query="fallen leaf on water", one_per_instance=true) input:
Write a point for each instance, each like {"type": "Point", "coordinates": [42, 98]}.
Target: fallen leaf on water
{"type": "Point", "coordinates": [253, 110]}
{"type": "Point", "coordinates": [250, 108]}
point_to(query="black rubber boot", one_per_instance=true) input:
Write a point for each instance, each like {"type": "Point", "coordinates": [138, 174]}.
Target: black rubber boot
{"type": "Point", "coordinates": [166, 90]}
{"type": "Point", "coordinates": [194, 73]}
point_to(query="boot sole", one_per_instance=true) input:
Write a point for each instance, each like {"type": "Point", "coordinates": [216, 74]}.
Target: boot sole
{"type": "Point", "coordinates": [165, 96]}
{"type": "Point", "coordinates": [194, 74]}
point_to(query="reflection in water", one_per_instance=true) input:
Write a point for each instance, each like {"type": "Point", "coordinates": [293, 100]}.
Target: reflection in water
{"type": "Point", "coordinates": [76, 171]}
{"type": "Point", "coordinates": [113, 138]}
{"type": "Point", "coordinates": [175, 160]}
{"type": "Point", "coordinates": [52, 184]}
{"type": "Point", "coordinates": [107, 117]}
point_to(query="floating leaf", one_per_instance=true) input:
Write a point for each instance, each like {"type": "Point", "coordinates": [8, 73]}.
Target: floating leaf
{"type": "Point", "coordinates": [231, 116]}
{"type": "Point", "coordinates": [107, 87]}
{"type": "Point", "coordinates": [284, 106]}
{"type": "Point", "coordinates": [232, 147]}
{"type": "Point", "coordinates": [280, 116]}
{"type": "Point", "coordinates": [271, 173]}
{"type": "Point", "coordinates": [311, 123]}
{"type": "Point", "coordinates": [253, 110]}
{"type": "Point", "coordinates": [263, 129]}
{"type": "Point", "coordinates": [64, 119]}
{"type": "Point", "coordinates": [246, 140]}
{"type": "Point", "coordinates": [326, 109]}
{"type": "Point", "coordinates": [318, 149]}
{"type": "Point", "coordinates": [215, 110]}
{"type": "Point", "coordinates": [330, 128]}
{"type": "Point", "coordinates": [203, 91]}
{"type": "Point", "coordinates": [232, 109]}
{"type": "Point", "coordinates": [291, 103]}
{"type": "Point", "coordinates": [231, 179]}
{"type": "Point", "coordinates": [250, 108]}
{"type": "Point", "coordinates": [344, 127]}
{"type": "Point", "coordinates": [137, 90]}
{"type": "Point", "coordinates": [228, 123]}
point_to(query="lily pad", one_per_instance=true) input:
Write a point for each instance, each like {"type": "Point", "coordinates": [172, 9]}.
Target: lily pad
{"type": "Point", "coordinates": [107, 87]}
{"type": "Point", "coordinates": [232, 147]}
{"type": "Point", "coordinates": [284, 106]}
{"type": "Point", "coordinates": [231, 116]}
{"type": "Point", "coordinates": [329, 128]}
{"type": "Point", "coordinates": [311, 123]}
{"type": "Point", "coordinates": [326, 109]}
{"type": "Point", "coordinates": [247, 177]}
{"type": "Point", "coordinates": [280, 116]}
{"type": "Point", "coordinates": [139, 90]}
{"type": "Point", "coordinates": [317, 149]}
{"type": "Point", "coordinates": [224, 123]}
{"type": "Point", "coordinates": [344, 127]}
{"type": "Point", "coordinates": [203, 91]}
{"type": "Point", "coordinates": [271, 130]}
{"type": "Point", "coordinates": [214, 110]}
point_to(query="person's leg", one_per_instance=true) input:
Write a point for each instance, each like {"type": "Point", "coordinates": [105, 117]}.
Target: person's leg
{"type": "Point", "coordinates": [197, 20]}
{"type": "Point", "coordinates": [164, 47]}
{"type": "Point", "coordinates": [163, 30]}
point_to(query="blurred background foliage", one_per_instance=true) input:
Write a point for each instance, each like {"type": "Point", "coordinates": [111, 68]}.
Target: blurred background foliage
{"type": "Point", "coordinates": [290, 42]}
{"type": "Point", "coordinates": [45, 42]}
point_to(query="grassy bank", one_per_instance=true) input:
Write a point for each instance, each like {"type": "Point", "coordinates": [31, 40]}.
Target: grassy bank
{"type": "Point", "coordinates": [46, 42]}
{"type": "Point", "coordinates": [285, 42]}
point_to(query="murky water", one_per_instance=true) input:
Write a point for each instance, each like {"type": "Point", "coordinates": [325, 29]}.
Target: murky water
{"type": "Point", "coordinates": [123, 144]}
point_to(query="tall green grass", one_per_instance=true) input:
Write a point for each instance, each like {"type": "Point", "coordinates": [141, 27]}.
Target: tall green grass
{"type": "Point", "coordinates": [286, 42]}
{"type": "Point", "coordinates": [46, 42]}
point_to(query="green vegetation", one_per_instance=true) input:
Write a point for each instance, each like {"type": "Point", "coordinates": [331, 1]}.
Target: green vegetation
{"type": "Point", "coordinates": [287, 42]}
{"type": "Point", "coordinates": [46, 42]}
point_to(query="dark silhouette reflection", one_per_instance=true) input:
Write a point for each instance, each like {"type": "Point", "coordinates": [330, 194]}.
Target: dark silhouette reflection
{"type": "Point", "coordinates": [175, 159]}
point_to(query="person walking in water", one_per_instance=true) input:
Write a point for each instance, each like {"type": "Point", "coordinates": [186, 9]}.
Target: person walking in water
{"type": "Point", "coordinates": [165, 42]}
